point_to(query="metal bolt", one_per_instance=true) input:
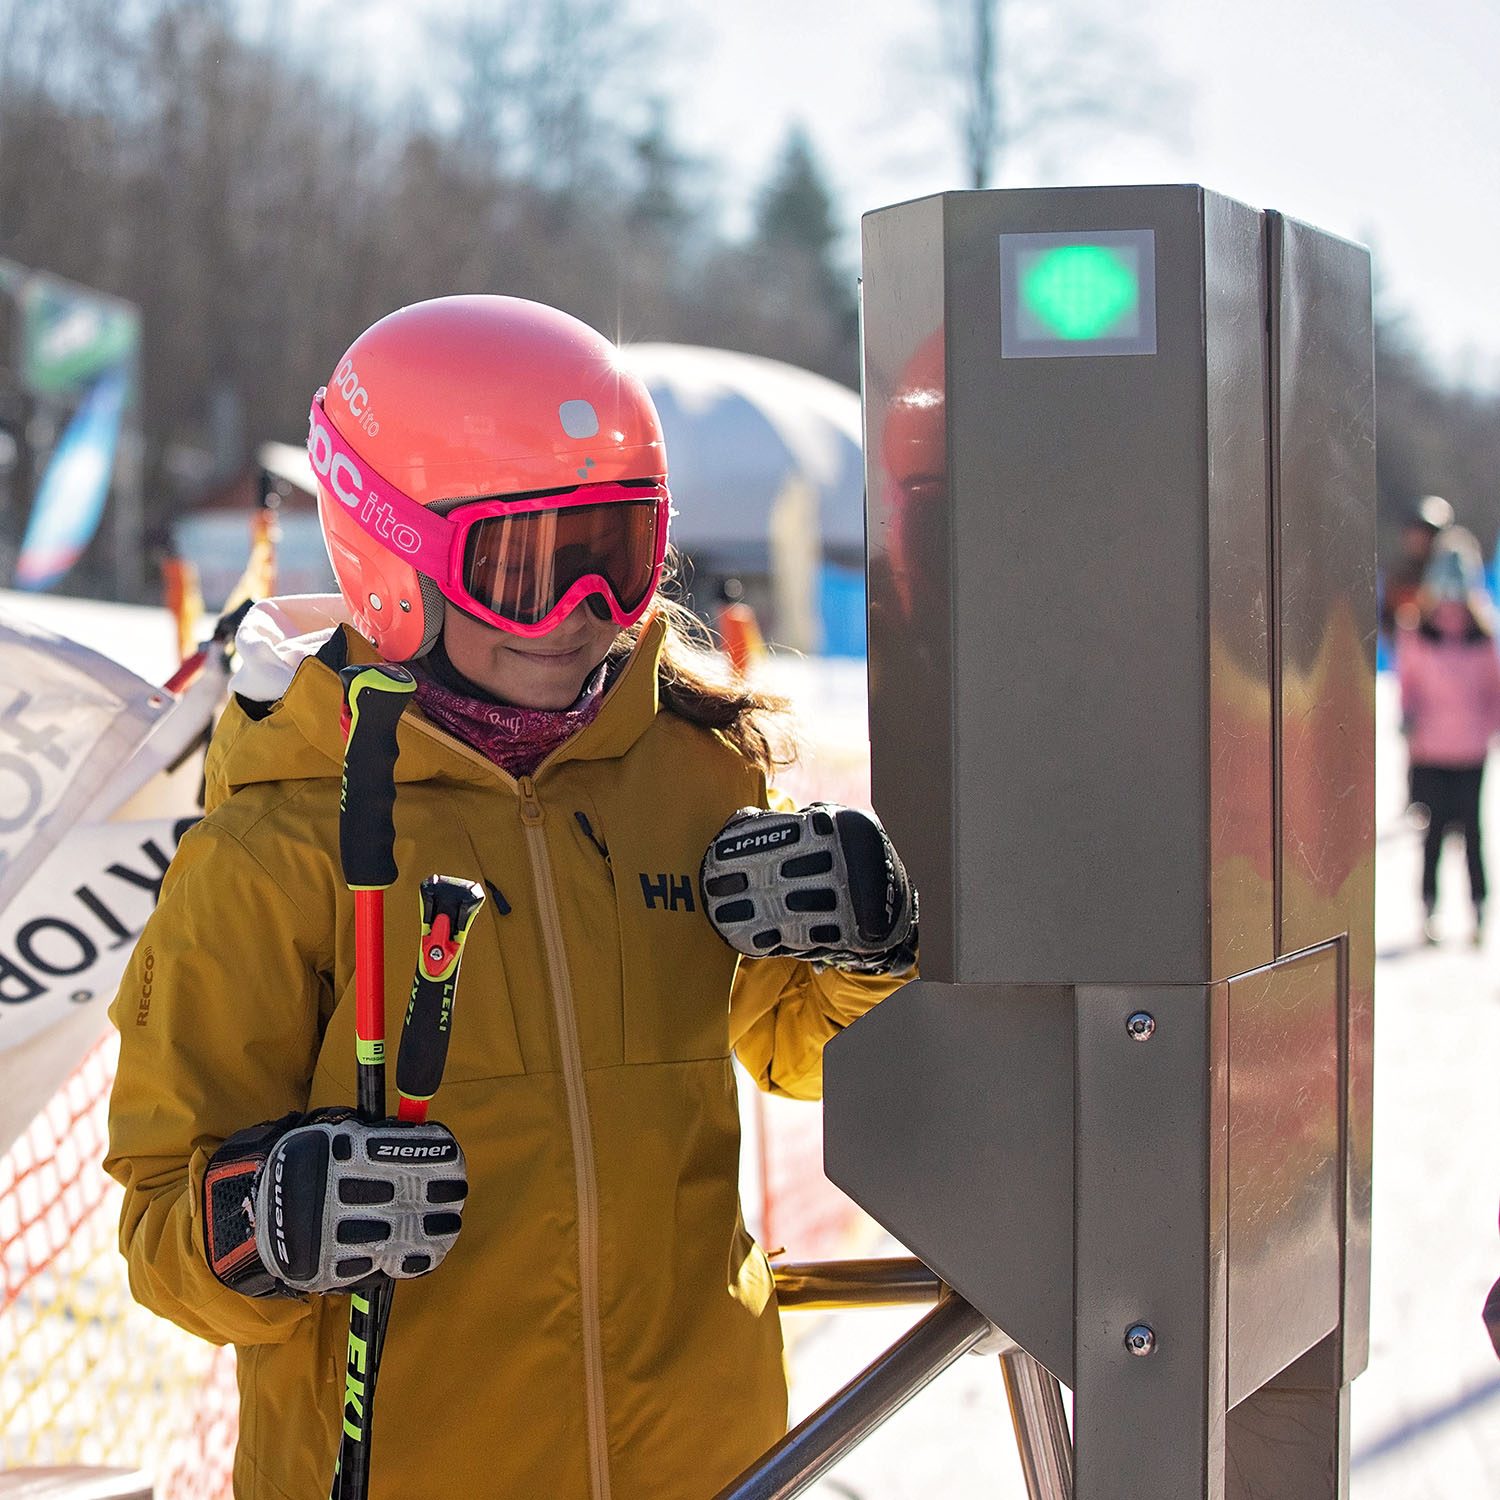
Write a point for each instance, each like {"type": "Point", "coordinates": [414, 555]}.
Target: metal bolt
{"type": "Point", "coordinates": [375, 602]}
{"type": "Point", "coordinates": [1140, 1339]}
{"type": "Point", "coordinates": [435, 953]}
{"type": "Point", "coordinates": [1140, 1026]}
{"type": "Point", "coordinates": [405, 606]}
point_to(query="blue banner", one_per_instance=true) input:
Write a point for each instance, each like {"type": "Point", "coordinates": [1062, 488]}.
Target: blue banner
{"type": "Point", "coordinates": [70, 498]}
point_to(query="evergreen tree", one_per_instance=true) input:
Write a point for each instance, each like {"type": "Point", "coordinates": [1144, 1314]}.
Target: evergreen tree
{"type": "Point", "coordinates": [796, 206]}
{"type": "Point", "coordinates": [660, 205]}
{"type": "Point", "coordinates": [797, 231]}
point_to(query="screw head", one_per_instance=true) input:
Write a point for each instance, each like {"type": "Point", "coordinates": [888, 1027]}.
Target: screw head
{"type": "Point", "coordinates": [1140, 1026]}
{"type": "Point", "coordinates": [435, 953]}
{"type": "Point", "coordinates": [1140, 1339]}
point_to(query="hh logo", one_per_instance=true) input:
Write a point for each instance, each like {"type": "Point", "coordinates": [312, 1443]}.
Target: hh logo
{"type": "Point", "coordinates": [675, 892]}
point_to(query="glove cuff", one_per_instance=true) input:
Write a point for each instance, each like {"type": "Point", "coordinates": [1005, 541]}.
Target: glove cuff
{"type": "Point", "coordinates": [229, 1195]}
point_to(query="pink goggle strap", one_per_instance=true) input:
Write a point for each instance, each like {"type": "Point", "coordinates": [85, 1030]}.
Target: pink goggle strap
{"type": "Point", "coordinates": [383, 512]}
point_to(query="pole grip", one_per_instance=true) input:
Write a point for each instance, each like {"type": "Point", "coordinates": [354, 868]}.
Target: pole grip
{"type": "Point", "coordinates": [449, 906]}
{"type": "Point", "coordinates": [374, 699]}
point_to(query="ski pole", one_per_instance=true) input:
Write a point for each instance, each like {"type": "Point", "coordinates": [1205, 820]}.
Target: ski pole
{"type": "Point", "coordinates": [374, 698]}
{"type": "Point", "coordinates": [449, 906]}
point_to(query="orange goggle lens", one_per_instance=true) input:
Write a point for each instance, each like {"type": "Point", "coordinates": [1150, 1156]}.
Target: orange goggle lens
{"type": "Point", "coordinates": [522, 565]}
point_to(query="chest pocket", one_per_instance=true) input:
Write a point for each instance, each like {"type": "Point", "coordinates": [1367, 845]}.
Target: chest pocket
{"type": "Point", "coordinates": [501, 1026]}
{"type": "Point", "coordinates": [677, 972]}
{"type": "Point", "coordinates": [486, 1040]}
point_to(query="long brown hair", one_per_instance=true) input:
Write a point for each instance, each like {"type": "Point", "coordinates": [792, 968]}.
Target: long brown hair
{"type": "Point", "coordinates": [696, 683]}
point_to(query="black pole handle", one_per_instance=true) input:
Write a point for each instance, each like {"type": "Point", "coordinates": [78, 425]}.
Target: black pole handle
{"type": "Point", "coordinates": [449, 906]}
{"type": "Point", "coordinates": [374, 698]}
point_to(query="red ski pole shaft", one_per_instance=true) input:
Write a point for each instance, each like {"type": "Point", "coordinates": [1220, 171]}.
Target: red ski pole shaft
{"type": "Point", "coordinates": [374, 698]}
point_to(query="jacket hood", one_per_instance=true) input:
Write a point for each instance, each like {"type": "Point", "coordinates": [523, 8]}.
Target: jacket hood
{"type": "Point", "coordinates": [276, 637]}
{"type": "Point", "coordinates": [283, 722]}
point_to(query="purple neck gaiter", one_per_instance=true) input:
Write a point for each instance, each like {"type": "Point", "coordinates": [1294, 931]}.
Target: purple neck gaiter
{"type": "Point", "coordinates": [518, 740]}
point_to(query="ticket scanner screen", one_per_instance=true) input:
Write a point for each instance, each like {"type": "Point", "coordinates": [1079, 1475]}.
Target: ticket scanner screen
{"type": "Point", "coordinates": [1078, 294]}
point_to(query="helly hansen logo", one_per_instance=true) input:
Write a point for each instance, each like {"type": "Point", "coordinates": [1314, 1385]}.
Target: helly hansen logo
{"type": "Point", "coordinates": [736, 846]}
{"type": "Point", "coordinates": [675, 892]}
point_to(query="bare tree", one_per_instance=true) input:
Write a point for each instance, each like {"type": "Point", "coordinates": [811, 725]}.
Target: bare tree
{"type": "Point", "coordinates": [539, 89]}
{"type": "Point", "coordinates": [260, 209]}
{"type": "Point", "coordinates": [1032, 74]}
{"type": "Point", "coordinates": [483, 45]}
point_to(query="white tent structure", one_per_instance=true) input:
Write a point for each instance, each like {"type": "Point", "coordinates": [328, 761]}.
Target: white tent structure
{"type": "Point", "coordinates": [767, 471]}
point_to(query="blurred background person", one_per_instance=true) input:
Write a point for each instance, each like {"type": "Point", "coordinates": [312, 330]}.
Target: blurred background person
{"type": "Point", "coordinates": [1423, 523]}
{"type": "Point", "coordinates": [1492, 1316]}
{"type": "Point", "coordinates": [1449, 676]}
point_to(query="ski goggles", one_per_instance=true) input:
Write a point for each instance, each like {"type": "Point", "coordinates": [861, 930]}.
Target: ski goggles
{"type": "Point", "coordinates": [523, 565]}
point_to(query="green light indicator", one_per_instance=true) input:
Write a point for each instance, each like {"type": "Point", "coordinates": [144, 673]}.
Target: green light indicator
{"type": "Point", "coordinates": [1083, 291]}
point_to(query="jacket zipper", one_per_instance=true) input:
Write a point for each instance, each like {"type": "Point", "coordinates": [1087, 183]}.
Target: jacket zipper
{"type": "Point", "coordinates": [578, 1124]}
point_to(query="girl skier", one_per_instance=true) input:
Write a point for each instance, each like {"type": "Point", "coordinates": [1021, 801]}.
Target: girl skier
{"type": "Point", "coordinates": [1449, 674]}
{"type": "Point", "coordinates": [493, 496]}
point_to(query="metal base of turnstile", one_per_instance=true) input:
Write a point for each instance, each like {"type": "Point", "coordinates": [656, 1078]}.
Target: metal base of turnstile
{"type": "Point", "coordinates": [951, 1329]}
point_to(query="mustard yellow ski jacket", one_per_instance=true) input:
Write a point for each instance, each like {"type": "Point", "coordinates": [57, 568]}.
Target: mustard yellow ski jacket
{"type": "Point", "coordinates": [604, 1327]}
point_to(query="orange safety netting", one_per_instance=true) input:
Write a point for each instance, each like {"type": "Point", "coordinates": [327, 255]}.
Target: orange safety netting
{"type": "Point", "coordinates": [87, 1376]}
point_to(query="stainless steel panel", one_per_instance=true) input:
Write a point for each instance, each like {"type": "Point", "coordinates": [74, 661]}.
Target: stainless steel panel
{"type": "Point", "coordinates": [1289, 1445]}
{"type": "Point", "coordinates": [1241, 907]}
{"type": "Point", "coordinates": [1079, 515]}
{"type": "Point", "coordinates": [949, 1118]}
{"type": "Point", "coordinates": [1325, 500]}
{"type": "Point", "coordinates": [1149, 1188]}
{"type": "Point", "coordinates": [1285, 1175]}
{"type": "Point", "coordinates": [1121, 626]}
{"type": "Point", "coordinates": [907, 529]}
{"type": "Point", "coordinates": [1070, 710]}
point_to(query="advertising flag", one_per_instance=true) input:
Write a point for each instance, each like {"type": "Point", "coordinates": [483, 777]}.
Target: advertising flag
{"type": "Point", "coordinates": [70, 498]}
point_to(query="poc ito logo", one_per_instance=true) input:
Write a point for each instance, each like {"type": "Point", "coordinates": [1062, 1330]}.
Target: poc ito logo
{"type": "Point", "coordinates": [347, 483]}
{"type": "Point", "coordinates": [356, 397]}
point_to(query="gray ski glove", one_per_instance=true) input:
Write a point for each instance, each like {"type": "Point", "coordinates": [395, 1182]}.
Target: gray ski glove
{"type": "Point", "coordinates": [319, 1202]}
{"type": "Point", "coordinates": [823, 883]}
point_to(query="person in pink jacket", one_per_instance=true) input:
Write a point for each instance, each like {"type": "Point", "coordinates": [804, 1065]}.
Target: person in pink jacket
{"type": "Point", "coordinates": [1449, 672]}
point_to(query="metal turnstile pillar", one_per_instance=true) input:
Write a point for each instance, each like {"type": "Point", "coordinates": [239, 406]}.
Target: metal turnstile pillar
{"type": "Point", "coordinates": [1120, 480]}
